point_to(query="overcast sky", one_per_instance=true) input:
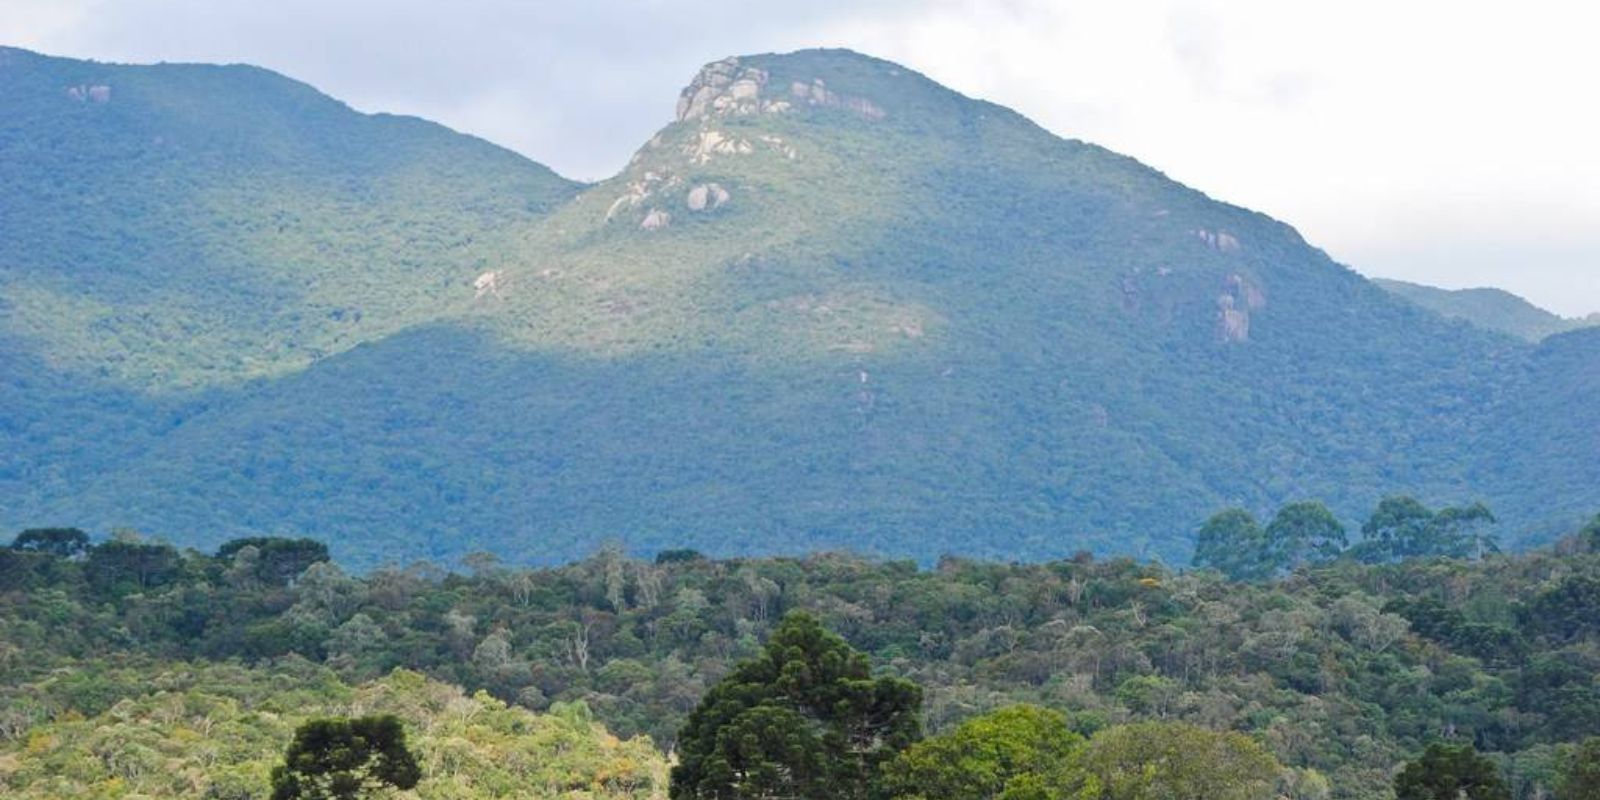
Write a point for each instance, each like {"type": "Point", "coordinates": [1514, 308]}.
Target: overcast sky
{"type": "Point", "coordinates": [1452, 143]}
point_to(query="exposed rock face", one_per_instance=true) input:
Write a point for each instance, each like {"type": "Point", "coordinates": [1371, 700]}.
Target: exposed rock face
{"type": "Point", "coordinates": [1254, 298]}
{"type": "Point", "coordinates": [728, 87]}
{"type": "Point", "coordinates": [1233, 324]}
{"type": "Point", "coordinates": [1241, 297]}
{"type": "Point", "coordinates": [85, 93]}
{"type": "Point", "coordinates": [1221, 241]}
{"type": "Point", "coordinates": [656, 220]}
{"type": "Point", "coordinates": [640, 190]}
{"type": "Point", "coordinates": [707, 197]}
{"type": "Point", "coordinates": [714, 142]}
{"type": "Point", "coordinates": [723, 87]}
{"type": "Point", "coordinates": [816, 93]}
{"type": "Point", "coordinates": [487, 283]}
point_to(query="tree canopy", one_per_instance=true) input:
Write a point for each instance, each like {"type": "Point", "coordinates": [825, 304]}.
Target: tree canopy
{"type": "Point", "coordinates": [1177, 761]}
{"type": "Point", "coordinates": [1450, 772]}
{"type": "Point", "coordinates": [1015, 753]}
{"type": "Point", "coordinates": [346, 759]}
{"type": "Point", "coordinates": [806, 719]}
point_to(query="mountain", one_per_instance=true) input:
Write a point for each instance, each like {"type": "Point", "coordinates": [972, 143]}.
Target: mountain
{"type": "Point", "coordinates": [1490, 309]}
{"type": "Point", "coordinates": [833, 304]}
{"type": "Point", "coordinates": [182, 226]}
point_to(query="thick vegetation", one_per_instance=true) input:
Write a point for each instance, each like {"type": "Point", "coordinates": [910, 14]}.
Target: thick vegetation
{"type": "Point", "coordinates": [915, 324]}
{"type": "Point", "coordinates": [189, 731]}
{"type": "Point", "coordinates": [1342, 672]}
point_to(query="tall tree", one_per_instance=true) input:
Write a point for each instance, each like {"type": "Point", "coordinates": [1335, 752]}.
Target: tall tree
{"type": "Point", "coordinates": [1462, 531]}
{"type": "Point", "coordinates": [1304, 531]}
{"type": "Point", "coordinates": [1233, 543]}
{"type": "Point", "coordinates": [58, 542]}
{"type": "Point", "coordinates": [1177, 761]}
{"type": "Point", "coordinates": [1396, 529]}
{"type": "Point", "coordinates": [1446, 772]}
{"type": "Point", "coordinates": [121, 566]}
{"type": "Point", "coordinates": [1402, 527]}
{"type": "Point", "coordinates": [805, 720]}
{"type": "Point", "coordinates": [1010, 754]}
{"type": "Point", "coordinates": [278, 560]}
{"type": "Point", "coordinates": [345, 759]}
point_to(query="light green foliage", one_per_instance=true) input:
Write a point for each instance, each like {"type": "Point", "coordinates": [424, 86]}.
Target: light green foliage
{"type": "Point", "coordinates": [1174, 761]}
{"type": "Point", "coordinates": [1580, 772]}
{"type": "Point", "coordinates": [1015, 753]}
{"type": "Point", "coordinates": [216, 731]}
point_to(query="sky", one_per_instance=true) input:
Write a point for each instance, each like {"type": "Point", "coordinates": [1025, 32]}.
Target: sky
{"type": "Point", "coordinates": [1449, 143]}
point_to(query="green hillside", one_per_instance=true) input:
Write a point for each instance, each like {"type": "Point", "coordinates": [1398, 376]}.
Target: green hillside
{"type": "Point", "coordinates": [1490, 309]}
{"type": "Point", "coordinates": [833, 305]}
{"type": "Point", "coordinates": [175, 227]}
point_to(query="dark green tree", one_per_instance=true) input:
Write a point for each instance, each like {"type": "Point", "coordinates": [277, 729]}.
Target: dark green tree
{"type": "Point", "coordinates": [1461, 532]}
{"type": "Point", "coordinates": [1233, 543]}
{"type": "Point", "coordinates": [1397, 528]}
{"type": "Point", "coordinates": [58, 542]}
{"type": "Point", "coordinates": [1304, 531]}
{"type": "Point", "coordinates": [345, 759]}
{"type": "Point", "coordinates": [1568, 610]}
{"type": "Point", "coordinates": [278, 560]}
{"type": "Point", "coordinates": [1446, 772]}
{"type": "Point", "coordinates": [805, 720]}
{"type": "Point", "coordinates": [679, 556]}
{"type": "Point", "coordinates": [129, 566]}
{"type": "Point", "coordinates": [1402, 527]}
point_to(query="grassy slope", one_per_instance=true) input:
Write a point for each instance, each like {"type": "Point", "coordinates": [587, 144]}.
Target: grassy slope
{"type": "Point", "coordinates": [938, 328]}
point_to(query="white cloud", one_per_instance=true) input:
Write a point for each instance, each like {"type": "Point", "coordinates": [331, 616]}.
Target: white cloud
{"type": "Point", "coordinates": [1446, 142]}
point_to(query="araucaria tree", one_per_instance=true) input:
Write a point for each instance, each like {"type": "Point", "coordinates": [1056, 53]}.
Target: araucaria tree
{"type": "Point", "coordinates": [345, 759]}
{"type": "Point", "coordinates": [804, 720]}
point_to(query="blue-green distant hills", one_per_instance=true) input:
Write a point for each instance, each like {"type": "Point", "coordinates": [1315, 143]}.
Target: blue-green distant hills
{"type": "Point", "coordinates": [1491, 309]}
{"type": "Point", "coordinates": [832, 305]}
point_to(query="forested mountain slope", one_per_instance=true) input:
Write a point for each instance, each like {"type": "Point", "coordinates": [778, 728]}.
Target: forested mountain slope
{"type": "Point", "coordinates": [832, 304]}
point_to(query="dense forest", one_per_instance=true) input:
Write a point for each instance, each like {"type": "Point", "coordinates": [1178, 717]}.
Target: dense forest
{"type": "Point", "coordinates": [1340, 670]}
{"type": "Point", "coordinates": [882, 316]}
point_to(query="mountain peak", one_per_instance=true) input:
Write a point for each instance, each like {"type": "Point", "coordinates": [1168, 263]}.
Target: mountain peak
{"type": "Point", "coordinates": [742, 86]}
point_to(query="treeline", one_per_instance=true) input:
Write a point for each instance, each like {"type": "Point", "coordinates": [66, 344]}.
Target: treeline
{"type": "Point", "coordinates": [807, 720]}
{"type": "Point", "coordinates": [1401, 527]}
{"type": "Point", "coordinates": [1344, 670]}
